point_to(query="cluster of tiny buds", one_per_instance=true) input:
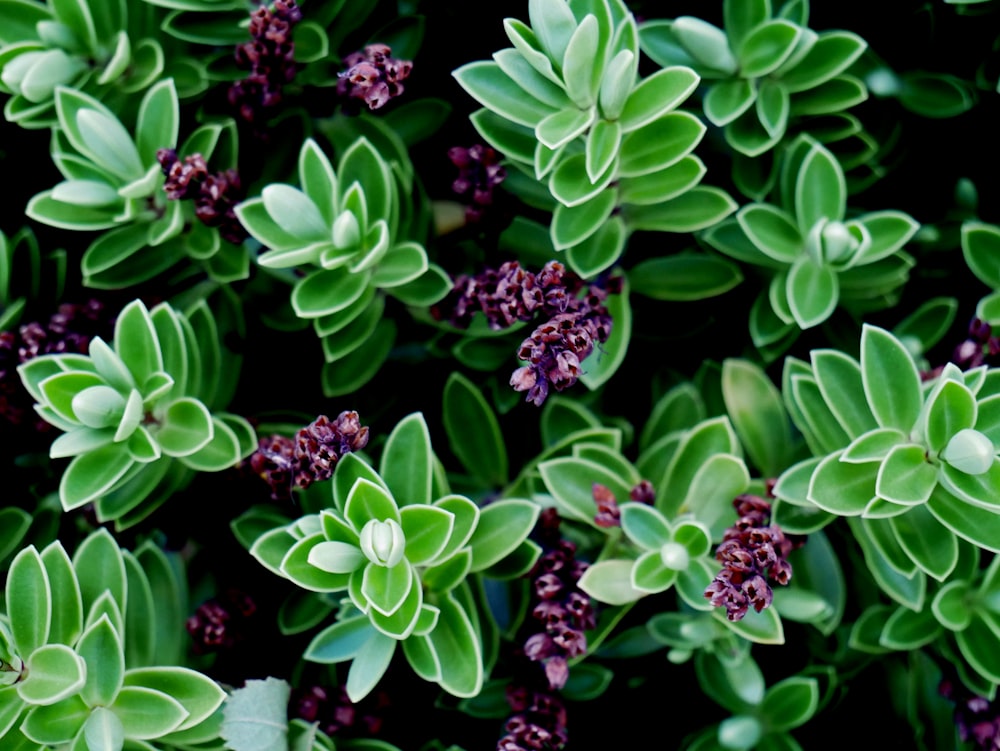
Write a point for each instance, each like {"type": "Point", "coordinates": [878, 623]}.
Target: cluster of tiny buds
{"type": "Point", "coordinates": [335, 713]}
{"type": "Point", "coordinates": [68, 330]}
{"type": "Point", "coordinates": [751, 552]}
{"type": "Point", "coordinates": [562, 609]}
{"type": "Point", "coordinates": [373, 76]}
{"type": "Point", "coordinates": [311, 456]}
{"type": "Point", "coordinates": [979, 344]}
{"type": "Point", "coordinates": [538, 722]}
{"type": "Point", "coordinates": [608, 514]}
{"type": "Point", "coordinates": [215, 194]}
{"type": "Point", "coordinates": [977, 718]}
{"type": "Point", "coordinates": [221, 622]}
{"type": "Point", "coordinates": [479, 172]}
{"type": "Point", "coordinates": [269, 56]}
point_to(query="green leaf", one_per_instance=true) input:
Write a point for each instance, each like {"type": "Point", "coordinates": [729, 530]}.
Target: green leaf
{"type": "Point", "coordinates": [583, 62]}
{"type": "Point", "coordinates": [841, 488]}
{"type": "Point", "coordinates": [706, 43]}
{"type": "Point", "coordinates": [502, 526]}
{"type": "Point", "coordinates": [772, 231]}
{"type": "Point", "coordinates": [573, 225]}
{"type": "Point", "coordinates": [766, 47]}
{"type": "Point", "coordinates": [473, 432]}
{"type": "Point", "coordinates": [820, 190]}
{"type": "Point", "coordinates": [950, 410]}
{"type": "Point", "coordinates": [600, 251]}
{"type": "Point", "coordinates": [761, 628]}
{"type": "Point", "coordinates": [698, 208]}
{"type": "Point", "coordinates": [255, 717]}
{"type": "Point", "coordinates": [840, 380]}
{"type": "Point", "coordinates": [53, 672]}
{"type": "Point", "coordinates": [327, 291]}
{"type": "Point", "coordinates": [610, 581]}
{"type": "Point", "coordinates": [495, 90]}
{"type": "Point", "coordinates": [407, 461]}
{"type": "Point", "coordinates": [790, 703]}
{"type": "Point", "coordinates": [101, 648]}
{"type": "Point", "coordinates": [103, 730]}
{"type": "Point", "coordinates": [185, 427]}
{"type": "Point", "coordinates": [386, 588]}
{"type": "Point", "coordinates": [369, 665]}
{"type": "Point", "coordinates": [661, 186]}
{"type": "Point", "coordinates": [981, 248]}
{"type": "Point", "coordinates": [773, 107]}
{"type": "Point", "coordinates": [92, 475]}
{"type": "Point", "coordinates": [457, 646]}
{"type": "Point", "coordinates": [157, 125]}
{"type": "Point", "coordinates": [57, 723]}
{"type": "Point", "coordinates": [727, 100]}
{"type": "Point", "coordinates": [657, 95]}
{"type": "Point", "coordinates": [368, 501]}
{"type": "Point", "coordinates": [686, 276]}
{"type": "Point", "coordinates": [571, 185]}
{"type": "Point", "coordinates": [99, 567]}
{"type": "Point", "coordinates": [146, 713]}
{"type": "Point", "coordinates": [136, 342]}
{"type": "Point", "coordinates": [874, 445]}
{"type": "Point", "coordinates": [571, 481]}
{"type": "Point", "coordinates": [658, 145]}
{"type": "Point", "coordinates": [427, 530]}
{"type": "Point", "coordinates": [890, 378]}
{"type": "Point", "coordinates": [833, 52]}
{"type": "Point", "coordinates": [933, 549]}
{"type": "Point", "coordinates": [645, 526]}
{"type": "Point", "coordinates": [606, 359]}
{"type": "Point", "coordinates": [758, 415]}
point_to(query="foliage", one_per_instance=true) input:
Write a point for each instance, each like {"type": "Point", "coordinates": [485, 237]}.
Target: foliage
{"type": "Point", "coordinates": [661, 345]}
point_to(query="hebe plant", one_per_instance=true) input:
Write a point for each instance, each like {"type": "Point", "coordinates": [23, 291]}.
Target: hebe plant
{"type": "Point", "coordinates": [659, 340]}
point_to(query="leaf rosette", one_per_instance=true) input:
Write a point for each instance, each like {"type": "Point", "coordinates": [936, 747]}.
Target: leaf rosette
{"type": "Point", "coordinates": [762, 70]}
{"type": "Point", "coordinates": [128, 408]}
{"type": "Point", "coordinates": [565, 105]}
{"type": "Point", "coordinates": [345, 231]}
{"type": "Point", "coordinates": [915, 462]}
{"type": "Point", "coordinates": [817, 258]}
{"type": "Point", "coordinates": [402, 557]}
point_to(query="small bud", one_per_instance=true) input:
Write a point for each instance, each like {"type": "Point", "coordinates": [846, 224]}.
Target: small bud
{"type": "Point", "coordinates": [970, 451]}
{"type": "Point", "coordinates": [383, 543]}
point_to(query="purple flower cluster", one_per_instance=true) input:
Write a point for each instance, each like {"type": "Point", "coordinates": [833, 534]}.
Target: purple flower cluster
{"type": "Point", "coordinates": [576, 319]}
{"type": "Point", "coordinates": [608, 514]}
{"type": "Point", "coordinates": [751, 552]}
{"type": "Point", "coordinates": [215, 194]}
{"type": "Point", "coordinates": [269, 56]}
{"type": "Point", "coordinates": [479, 172]}
{"type": "Point", "coordinates": [335, 713]}
{"type": "Point", "coordinates": [311, 456]}
{"type": "Point", "coordinates": [562, 609]}
{"type": "Point", "coordinates": [373, 76]}
{"type": "Point", "coordinates": [973, 350]}
{"type": "Point", "coordinates": [221, 622]}
{"type": "Point", "coordinates": [538, 722]}
{"type": "Point", "coordinates": [69, 329]}
{"type": "Point", "coordinates": [977, 718]}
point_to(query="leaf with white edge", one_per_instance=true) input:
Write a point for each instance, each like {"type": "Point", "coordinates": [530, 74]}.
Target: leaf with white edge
{"type": "Point", "coordinates": [645, 526]}
{"type": "Point", "coordinates": [109, 144]}
{"type": "Point", "coordinates": [553, 25]}
{"type": "Point", "coordinates": [386, 588]}
{"type": "Point", "coordinates": [103, 731]}
{"type": "Point", "coordinates": [136, 342]}
{"type": "Point", "coordinates": [951, 410]}
{"type": "Point", "coordinates": [54, 671]}
{"type": "Point", "coordinates": [709, 497]}
{"type": "Point", "coordinates": [473, 431]}
{"type": "Point", "coordinates": [610, 582]}
{"type": "Point", "coordinates": [706, 43]}
{"type": "Point", "coordinates": [571, 185]}
{"type": "Point", "coordinates": [407, 461]}
{"type": "Point", "coordinates": [221, 452]}
{"type": "Point", "coordinates": [685, 276]}
{"type": "Point", "coordinates": [813, 292]}
{"type": "Point", "coordinates": [340, 642]}
{"type": "Point", "coordinates": [146, 713]}
{"type": "Point", "coordinates": [790, 703]}
{"type": "Point", "coordinates": [100, 568]}
{"type": "Point", "coordinates": [766, 47]}
{"type": "Point", "coordinates": [369, 665]}
{"type": "Point", "coordinates": [604, 362]}
{"type": "Point", "coordinates": [890, 378]}
{"type": "Point", "coordinates": [874, 445]}
{"type": "Point", "coordinates": [841, 488]}
{"type": "Point", "coordinates": [727, 100]}
{"type": "Point", "coordinates": [618, 82]}
{"type": "Point", "coordinates": [820, 189]}
{"type": "Point", "coordinates": [91, 475]}
{"type": "Point", "coordinates": [696, 209]}
{"type": "Point", "coordinates": [295, 213]}
{"type": "Point", "coordinates": [764, 627]}
{"type": "Point", "coordinates": [102, 650]}
{"type": "Point", "coordinates": [583, 62]}
{"type": "Point", "coordinates": [502, 526]}
{"type": "Point", "coordinates": [255, 717]}
{"type": "Point", "coordinates": [185, 427]}
{"type": "Point", "coordinates": [297, 565]}
{"type": "Point", "coordinates": [840, 381]}
{"type": "Point", "coordinates": [981, 248]}
{"type": "Point", "coordinates": [656, 95]}
{"type": "Point", "coordinates": [905, 476]}
{"type": "Point", "coordinates": [889, 232]}
{"type": "Point", "coordinates": [368, 501]}
{"type": "Point", "coordinates": [570, 481]}
{"type": "Point", "coordinates": [457, 643]}
{"type": "Point", "coordinates": [427, 530]}
{"type": "Point", "coordinates": [933, 549]}
{"type": "Point", "coordinates": [495, 90]}
{"type": "Point", "coordinates": [158, 120]}
{"type": "Point", "coordinates": [55, 724]}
